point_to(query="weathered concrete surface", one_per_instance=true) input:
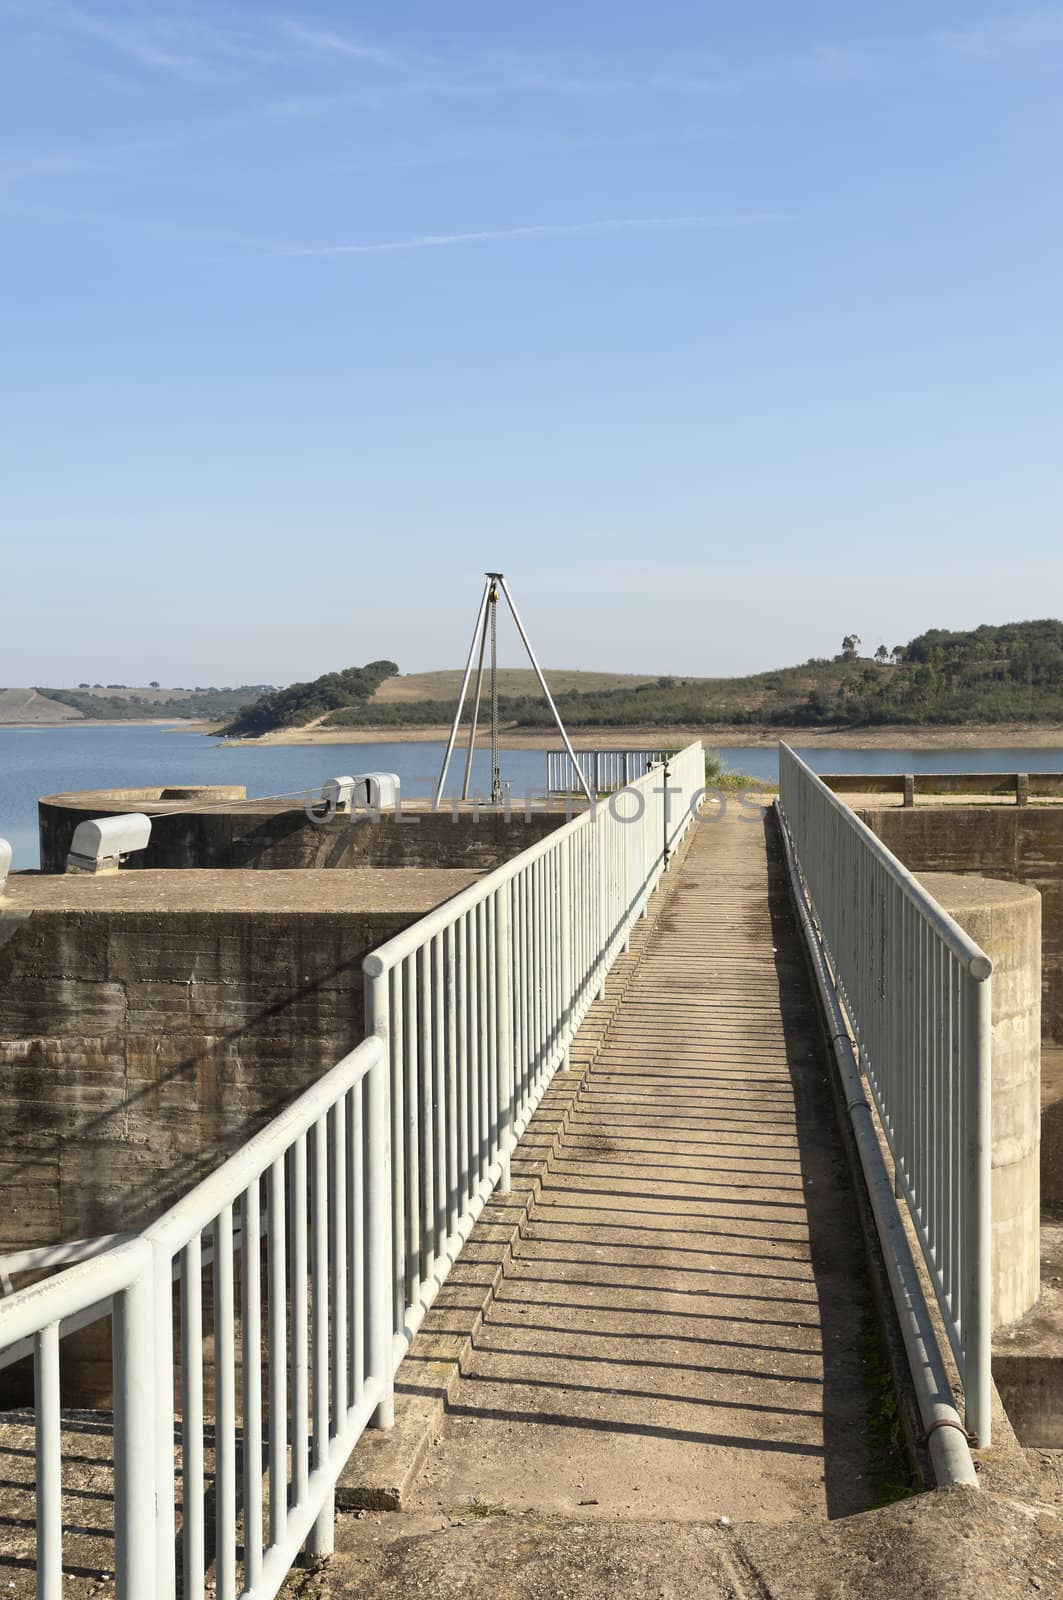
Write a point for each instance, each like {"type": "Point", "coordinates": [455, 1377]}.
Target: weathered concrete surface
{"type": "Point", "coordinates": [278, 834]}
{"type": "Point", "coordinates": [1020, 844]}
{"type": "Point", "coordinates": [957, 1542]}
{"type": "Point", "coordinates": [1052, 1125]}
{"type": "Point", "coordinates": [678, 1331]}
{"type": "Point", "coordinates": [1005, 920]}
{"type": "Point", "coordinates": [963, 1543]}
{"type": "Point", "coordinates": [1028, 1358]}
{"type": "Point", "coordinates": [150, 1022]}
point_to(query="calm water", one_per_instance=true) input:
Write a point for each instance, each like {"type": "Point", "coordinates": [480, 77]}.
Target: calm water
{"type": "Point", "coordinates": [36, 761]}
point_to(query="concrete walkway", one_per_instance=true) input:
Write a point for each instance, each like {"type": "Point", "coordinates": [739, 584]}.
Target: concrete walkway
{"type": "Point", "coordinates": [679, 1332]}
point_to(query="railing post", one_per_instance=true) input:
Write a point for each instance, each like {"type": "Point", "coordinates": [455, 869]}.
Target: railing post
{"type": "Point", "coordinates": [380, 1253]}
{"type": "Point", "coordinates": [603, 900]}
{"type": "Point", "coordinates": [565, 918]}
{"type": "Point", "coordinates": [48, 1428]}
{"type": "Point", "coordinates": [977, 1297]}
{"type": "Point", "coordinates": [134, 1435]}
{"type": "Point", "coordinates": [162, 1367]}
{"type": "Point", "coordinates": [504, 1015]}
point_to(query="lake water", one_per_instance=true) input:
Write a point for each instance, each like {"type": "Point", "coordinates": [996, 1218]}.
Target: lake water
{"type": "Point", "coordinates": [36, 761]}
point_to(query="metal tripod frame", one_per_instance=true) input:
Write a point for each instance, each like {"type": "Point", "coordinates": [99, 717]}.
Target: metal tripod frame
{"type": "Point", "coordinates": [486, 627]}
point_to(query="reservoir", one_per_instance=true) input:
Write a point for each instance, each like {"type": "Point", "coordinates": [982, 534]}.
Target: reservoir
{"type": "Point", "coordinates": [37, 761]}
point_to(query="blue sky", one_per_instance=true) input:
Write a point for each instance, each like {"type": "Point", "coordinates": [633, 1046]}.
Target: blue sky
{"type": "Point", "coordinates": [723, 330]}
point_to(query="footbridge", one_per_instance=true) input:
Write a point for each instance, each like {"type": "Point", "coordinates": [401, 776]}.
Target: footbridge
{"type": "Point", "coordinates": [578, 1234]}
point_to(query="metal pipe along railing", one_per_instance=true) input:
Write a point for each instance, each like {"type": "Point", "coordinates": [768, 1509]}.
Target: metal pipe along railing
{"type": "Point", "coordinates": [917, 992]}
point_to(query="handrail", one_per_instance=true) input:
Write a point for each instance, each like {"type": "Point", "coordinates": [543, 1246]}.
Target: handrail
{"type": "Point", "coordinates": [52, 1300]}
{"type": "Point", "coordinates": [947, 1443]}
{"type": "Point", "coordinates": [962, 946]}
{"type": "Point", "coordinates": [196, 1210]}
{"type": "Point", "coordinates": [917, 992]}
{"type": "Point", "coordinates": [479, 1002]}
{"type": "Point", "coordinates": [315, 1186]}
{"type": "Point", "coordinates": [388, 955]}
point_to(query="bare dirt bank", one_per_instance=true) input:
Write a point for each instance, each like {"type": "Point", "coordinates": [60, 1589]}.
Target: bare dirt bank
{"type": "Point", "coordinates": [1008, 735]}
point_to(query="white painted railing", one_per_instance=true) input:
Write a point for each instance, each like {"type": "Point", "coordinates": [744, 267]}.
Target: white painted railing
{"type": "Point", "coordinates": [272, 1374]}
{"type": "Point", "coordinates": [602, 769]}
{"type": "Point", "coordinates": [916, 989]}
{"type": "Point", "coordinates": [288, 1354]}
{"type": "Point", "coordinates": [479, 1000]}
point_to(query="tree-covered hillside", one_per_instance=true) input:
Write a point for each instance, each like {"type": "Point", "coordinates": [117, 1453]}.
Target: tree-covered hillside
{"type": "Point", "coordinates": [301, 703]}
{"type": "Point", "coordinates": [199, 705]}
{"type": "Point", "coordinates": [1012, 673]}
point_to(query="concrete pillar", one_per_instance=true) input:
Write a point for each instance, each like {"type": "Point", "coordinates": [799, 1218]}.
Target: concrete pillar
{"type": "Point", "coordinates": [1005, 919]}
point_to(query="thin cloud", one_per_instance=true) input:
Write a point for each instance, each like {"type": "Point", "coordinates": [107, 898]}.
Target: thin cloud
{"type": "Point", "coordinates": [139, 45]}
{"type": "Point", "coordinates": [542, 230]}
{"type": "Point", "coordinates": [160, 43]}
{"type": "Point", "coordinates": [994, 37]}
{"type": "Point", "coordinates": [322, 41]}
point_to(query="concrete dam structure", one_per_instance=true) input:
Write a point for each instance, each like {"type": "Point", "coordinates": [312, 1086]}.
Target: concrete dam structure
{"type": "Point", "coordinates": [651, 1195]}
{"type": "Point", "coordinates": [154, 1019]}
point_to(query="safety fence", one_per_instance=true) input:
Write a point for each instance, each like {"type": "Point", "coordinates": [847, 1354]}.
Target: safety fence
{"type": "Point", "coordinates": [602, 769]}
{"type": "Point", "coordinates": [270, 1364]}
{"type": "Point", "coordinates": [916, 990]}
{"type": "Point", "coordinates": [479, 1000]}
{"type": "Point", "coordinates": [256, 1327]}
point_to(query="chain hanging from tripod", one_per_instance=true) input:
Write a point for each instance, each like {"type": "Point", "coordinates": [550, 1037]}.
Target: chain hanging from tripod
{"type": "Point", "coordinates": [496, 771]}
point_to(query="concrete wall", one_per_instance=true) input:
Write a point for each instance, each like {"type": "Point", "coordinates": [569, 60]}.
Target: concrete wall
{"type": "Point", "coordinates": [1021, 844]}
{"type": "Point", "coordinates": [139, 1046]}
{"type": "Point", "coordinates": [138, 1050]}
{"type": "Point", "coordinates": [279, 835]}
{"type": "Point", "coordinates": [1052, 1127]}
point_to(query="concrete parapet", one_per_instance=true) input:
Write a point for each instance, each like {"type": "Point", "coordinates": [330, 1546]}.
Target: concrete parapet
{"type": "Point", "coordinates": [1022, 844]}
{"type": "Point", "coordinates": [219, 829]}
{"type": "Point", "coordinates": [1005, 919]}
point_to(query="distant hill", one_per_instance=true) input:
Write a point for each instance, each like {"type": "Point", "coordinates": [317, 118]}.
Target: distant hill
{"type": "Point", "coordinates": [123, 703]}
{"type": "Point", "coordinates": [26, 706]}
{"type": "Point", "coordinates": [1011, 673]}
{"type": "Point", "coordinates": [512, 681]}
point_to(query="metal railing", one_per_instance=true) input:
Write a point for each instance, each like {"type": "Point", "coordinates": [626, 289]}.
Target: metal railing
{"type": "Point", "coordinates": [241, 1390]}
{"type": "Point", "coordinates": [602, 769]}
{"type": "Point", "coordinates": [1023, 786]}
{"type": "Point", "coordinates": [479, 1002]}
{"type": "Point", "coordinates": [916, 990]}
{"type": "Point", "coordinates": [286, 1349]}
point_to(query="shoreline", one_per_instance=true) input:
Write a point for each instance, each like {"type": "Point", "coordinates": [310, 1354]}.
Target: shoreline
{"type": "Point", "coordinates": [920, 736]}
{"type": "Point", "coordinates": [891, 736]}
{"type": "Point", "coordinates": [108, 722]}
